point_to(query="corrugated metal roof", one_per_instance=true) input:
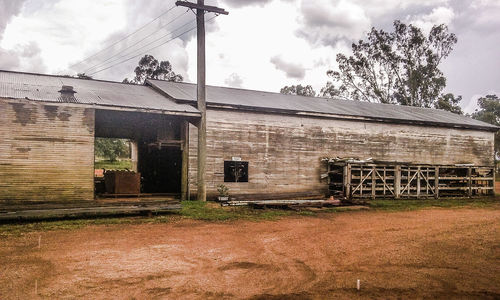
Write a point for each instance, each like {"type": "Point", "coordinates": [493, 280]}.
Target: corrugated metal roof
{"type": "Point", "coordinates": [40, 87]}
{"type": "Point", "coordinates": [297, 104]}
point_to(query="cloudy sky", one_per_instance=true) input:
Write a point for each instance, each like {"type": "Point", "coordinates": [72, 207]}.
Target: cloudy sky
{"type": "Point", "coordinates": [261, 44]}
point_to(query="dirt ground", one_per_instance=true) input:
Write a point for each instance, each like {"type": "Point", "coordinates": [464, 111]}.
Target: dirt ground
{"type": "Point", "coordinates": [431, 253]}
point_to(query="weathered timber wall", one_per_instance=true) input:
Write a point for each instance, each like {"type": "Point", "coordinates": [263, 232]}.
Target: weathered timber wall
{"type": "Point", "coordinates": [284, 151]}
{"type": "Point", "coordinates": [46, 151]}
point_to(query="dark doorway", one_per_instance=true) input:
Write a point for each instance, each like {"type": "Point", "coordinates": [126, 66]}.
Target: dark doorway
{"type": "Point", "coordinates": [160, 168]}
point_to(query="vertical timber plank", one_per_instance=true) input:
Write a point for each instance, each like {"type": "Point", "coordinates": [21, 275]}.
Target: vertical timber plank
{"type": "Point", "coordinates": [494, 181]}
{"type": "Point", "coordinates": [185, 160]}
{"type": "Point", "coordinates": [348, 184]}
{"type": "Point", "coordinates": [344, 180]}
{"type": "Point", "coordinates": [418, 181]}
{"type": "Point", "coordinates": [374, 182]}
{"type": "Point", "coordinates": [385, 179]}
{"type": "Point", "coordinates": [436, 182]}
{"type": "Point", "coordinates": [361, 181]}
{"type": "Point", "coordinates": [397, 181]}
{"type": "Point", "coordinates": [427, 181]}
{"type": "Point", "coordinates": [469, 181]}
{"type": "Point", "coordinates": [408, 181]}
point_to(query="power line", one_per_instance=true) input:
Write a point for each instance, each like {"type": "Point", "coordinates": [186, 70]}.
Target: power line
{"type": "Point", "coordinates": [152, 42]}
{"type": "Point", "coordinates": [98, 71]}
{"type": "Point", "coordinates": [113, 58]}
{"type": "Point", "coordinates": [142, 27]}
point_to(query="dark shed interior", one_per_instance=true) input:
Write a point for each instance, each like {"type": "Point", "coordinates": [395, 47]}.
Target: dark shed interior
{"type": "Point", "coordinates": [156, 139]}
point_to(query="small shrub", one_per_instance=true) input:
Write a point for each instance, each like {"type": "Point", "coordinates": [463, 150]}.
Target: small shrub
{"type": "Point", "coordinates": [223, 190]}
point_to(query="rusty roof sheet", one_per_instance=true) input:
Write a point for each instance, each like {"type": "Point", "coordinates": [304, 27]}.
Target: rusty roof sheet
{"type": "Point", "coordinates": [40, 87]}
{"type": "Point", "coordinates": [267, 101]}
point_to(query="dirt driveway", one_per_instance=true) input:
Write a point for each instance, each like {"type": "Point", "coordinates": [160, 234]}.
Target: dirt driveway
{"type": "Point", "coordinates": [435, 253]}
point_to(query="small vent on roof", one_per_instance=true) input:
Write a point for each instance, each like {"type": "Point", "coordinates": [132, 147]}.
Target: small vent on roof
{"type": "Point", "coordinates": [67, 94]}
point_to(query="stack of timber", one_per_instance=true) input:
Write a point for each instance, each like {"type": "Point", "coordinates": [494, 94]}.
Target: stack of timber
{"type": "Point", "coordinates": [352, 178]}
{"type": "Point", "coordinates": [285, 204]}
{"type": "Point", "coordinates": [311, 198]}
{"type": "Point", "coordinates": [35, 210]}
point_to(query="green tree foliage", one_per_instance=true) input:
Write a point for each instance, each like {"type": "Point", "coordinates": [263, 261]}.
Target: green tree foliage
{"type": "Point", "coordinates": [450, 103]}
{"type": "Point", "coordinates": [489, 112]}
{"type": "Point", "coordinates": [150, 67]}
{"type": "Point", "coordinates": [398, 67]}
{"type": "Point", "coordinates": [111, 148]}
{"type": "Point", "coordinates": [298, 90]}
{"type": "Point", "coordinates": [330, 91]}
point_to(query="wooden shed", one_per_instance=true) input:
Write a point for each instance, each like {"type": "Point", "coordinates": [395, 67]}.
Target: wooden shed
{"type": "Point", "coordinates": [48, 125]}
{"type": "Point", "coordinates": [284, 146]}
{"type": "Point", "coordinates": [261, 145]}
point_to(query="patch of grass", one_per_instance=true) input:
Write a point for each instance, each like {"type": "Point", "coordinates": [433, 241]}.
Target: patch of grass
{"type": "Point", "coordinates": [207, 211]}
{"type": "Point", "coordinates": [408, 205]}
{"type": "Point", "coordinates": [72, 224]}
{"type": "Point", "coordinates": [120, 164]}
{"type": "Point", "coordinates": [196, 210]}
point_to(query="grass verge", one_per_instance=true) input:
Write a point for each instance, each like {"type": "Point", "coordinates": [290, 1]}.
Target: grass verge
{"type": "Point", "coordinates": [214, 212]}
{"type": "Point", "coordinates": [209, 211]}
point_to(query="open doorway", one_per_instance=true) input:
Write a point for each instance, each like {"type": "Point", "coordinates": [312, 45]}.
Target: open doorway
{"type": "Point", "coordinates": [114, 156]}
{"type": "Point", "coordinates": [137, 153]}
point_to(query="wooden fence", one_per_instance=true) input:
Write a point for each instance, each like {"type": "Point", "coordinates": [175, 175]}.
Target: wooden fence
{"type": "Point", "coordinates": [379, 180]}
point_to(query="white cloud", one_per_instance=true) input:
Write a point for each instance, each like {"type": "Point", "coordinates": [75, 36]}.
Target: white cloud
{"type": "Point", "coordinates": [242, 3]}
{"type": "Point", "coordinates": [248, 50]}
{"type": "Point", "coordinates": [303, 36]}
{"type": "Point", "coordinates": [438, 15]}
{"type": "Point", "coordinates": [10, 8]}
{"type": "Point", "coordinates": [21, 56]}
{"type": "Point", "coordinates": [234, 80]}
{"type": "Point", "coordinates": [158, 34]}
{"type": "Point", "coordinates": [291, 69]}
{"type": "Point", "coordinates": [482, 3]}
{"type": "Point", "coordinates": [326, 22]}
{"type": "Point", "coordinates": [64, 28]}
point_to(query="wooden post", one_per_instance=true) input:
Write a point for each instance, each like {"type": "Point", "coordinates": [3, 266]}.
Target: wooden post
{"type": "Point", "coordinates": [344, 180]}
{"type": "Point", "coordinates": [385, 179]}
{"type": "Point", "coordinates": [408, 181]}
{"type": "Point", "coordinates": [469, 181]}
{"type": "Point", "coordinates": [200, 91]}
{"type": "Point", "coordinates": [348, 183]}
{"type": "Point", "coordinates": [201, 94]}
{"type": "Point", "coordinates": [418, 182]}
{"type": "Point", "coordinates": [328, 179]}
{"type": "Point", "coordinates": [397, 181]}
{"type": "Point", "coordinates": [134, 155]}
{"type": "Point", "coordinates": [374, 182]}
{"type": "Point", "coordinates": [361, 180]}
{"type": "Point", "coordinates": [494, 180]}
{"type": "Point", "coordinates": [427, 182]}
{"type": "Point", "coordinates": [185, 160]}
{"type": "Point", "coordinates": [436, 182]}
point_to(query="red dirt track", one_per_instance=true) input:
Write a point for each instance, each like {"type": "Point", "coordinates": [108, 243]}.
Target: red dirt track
{"type": "Point", "coordinates": [435, 253]}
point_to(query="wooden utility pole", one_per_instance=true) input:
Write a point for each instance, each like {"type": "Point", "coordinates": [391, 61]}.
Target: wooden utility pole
{"type": "Point", "coordinates": [201, 8]}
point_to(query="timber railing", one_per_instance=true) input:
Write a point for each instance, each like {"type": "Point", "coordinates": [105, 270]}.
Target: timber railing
{"type": "Point", "coordinates": [367, 179]}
